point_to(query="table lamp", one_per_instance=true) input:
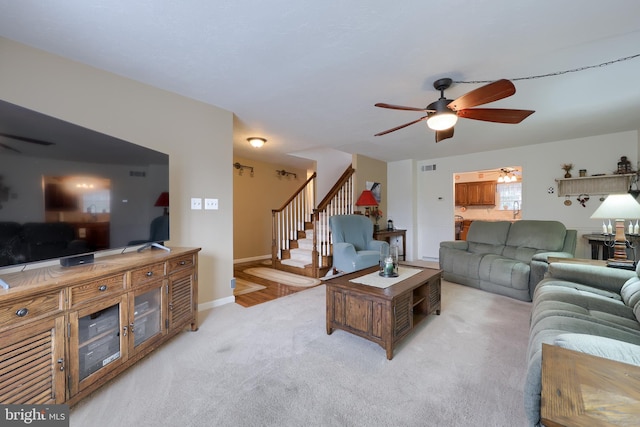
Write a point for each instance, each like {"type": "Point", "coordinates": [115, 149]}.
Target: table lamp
{"type": "Point", "coordinates": [367, 200]}
{"type": "Point", "coordinates": [618, 207]}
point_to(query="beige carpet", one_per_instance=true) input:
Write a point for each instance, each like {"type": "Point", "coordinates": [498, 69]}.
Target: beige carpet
{"type": "Point", "coordinates": [273, 365]}
{"type": "Point", "coordinates": [245, 287]}
{"type": "Point", "coordinates": [283, 277]}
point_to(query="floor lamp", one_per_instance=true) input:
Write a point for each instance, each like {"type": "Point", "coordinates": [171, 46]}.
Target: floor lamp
{"type": "Point", "coordinates": [619, 207]}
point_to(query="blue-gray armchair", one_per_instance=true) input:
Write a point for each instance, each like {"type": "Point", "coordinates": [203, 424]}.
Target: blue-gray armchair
{"type": "Point", "coordinates": [353, 245]}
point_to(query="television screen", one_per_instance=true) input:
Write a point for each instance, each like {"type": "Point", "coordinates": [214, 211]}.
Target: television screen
{"type": "Point", "coordinates": [66, 190]}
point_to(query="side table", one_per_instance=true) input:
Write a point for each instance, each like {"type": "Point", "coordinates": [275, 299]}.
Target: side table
{"type": "Point", "coordinates": [386, 236]}
{"type": "Point", "coordinates": [579, 389]}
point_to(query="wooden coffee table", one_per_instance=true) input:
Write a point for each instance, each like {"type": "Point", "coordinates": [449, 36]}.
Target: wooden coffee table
{"type": "Point", "coordinates": [384, 316]}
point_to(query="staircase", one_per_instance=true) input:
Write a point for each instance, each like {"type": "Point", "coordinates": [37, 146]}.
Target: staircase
{"type": "Point", "coordinates": [301, 237]}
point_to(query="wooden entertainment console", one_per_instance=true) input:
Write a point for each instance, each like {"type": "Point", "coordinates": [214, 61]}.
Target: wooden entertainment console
{"type": "Point", "coordinates": [65, 331]}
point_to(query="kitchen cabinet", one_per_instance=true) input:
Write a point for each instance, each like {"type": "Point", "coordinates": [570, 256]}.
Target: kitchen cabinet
{"type": "Point", "coordinates": [480, 193]}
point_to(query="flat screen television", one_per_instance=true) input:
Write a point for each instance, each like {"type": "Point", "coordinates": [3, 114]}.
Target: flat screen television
{"type": "Point", "coordinates": [68, 192]}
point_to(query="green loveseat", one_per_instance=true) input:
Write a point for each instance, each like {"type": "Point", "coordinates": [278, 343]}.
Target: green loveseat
{"type": "Point", "coordinates": [506, 258]}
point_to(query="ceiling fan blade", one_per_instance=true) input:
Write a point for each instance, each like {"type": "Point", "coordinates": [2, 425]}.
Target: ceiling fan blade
{"type": "Point", "coordinates": [26, 139]}
{"type": "Point", "coordinates": [444, 134]}
{"type": "Point", "coordinates": [399, 107]}
{"type": "Point", "coordinates": [7, 147]}
{"type": "Point", "coordinates": [400, 127]}
{"type": "Point", "coordinates": [496, 115]}
{"type": "Point", "coordinates": [483, 95]}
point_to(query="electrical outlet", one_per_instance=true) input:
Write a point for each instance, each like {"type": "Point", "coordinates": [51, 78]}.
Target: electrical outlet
{"type": "Point", "coordinates": [196, 203]}
{"type": "Point", "coordinates": [233, 283]}
{"type": "Point", "coordinates": [211, 204]}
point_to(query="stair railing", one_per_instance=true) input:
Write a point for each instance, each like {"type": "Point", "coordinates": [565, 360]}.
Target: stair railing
{"type": "Point", "coordinates": [290, 219]}
{"type": "Point", "coordinates": [338, 201]}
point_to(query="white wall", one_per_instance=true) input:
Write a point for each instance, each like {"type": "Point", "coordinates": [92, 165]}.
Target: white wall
{"type": "Point", "coordinates": [541, 167]}
{"type": "Point", "coordinates": [330, 164]}
{"type": "Point", "coordinates": [197, 137]}
{"type": "Point", "coordinates": [401, 200]}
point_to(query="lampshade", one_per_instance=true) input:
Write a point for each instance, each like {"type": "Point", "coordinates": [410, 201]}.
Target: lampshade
{"type": "Point", "coordinates": [256, 141]}
{"type": "Point", "coordinates": [618, 206]}
{"type": "Point", "coordinates": [443, 117]}
{"type": "Point", "coordinates": [163, 199]}
{"type": "Point", "coordinates": [366, 199]}
{"type": "Point", "coordinates": [442, 121]}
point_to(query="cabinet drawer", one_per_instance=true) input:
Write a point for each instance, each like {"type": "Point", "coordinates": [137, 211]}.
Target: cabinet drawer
{"type": "Point", "coordinates": [111, 285]}
{"type": "Point", "coordinates": [146, 274]}
{"type": "Point", "coordinates": [180, 263]}
{"type": "Point", "coordinates": [26, 309]}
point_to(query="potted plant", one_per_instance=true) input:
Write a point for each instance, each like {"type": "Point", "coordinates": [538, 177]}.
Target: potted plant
{"type": "Point", "coordinates": [567, 168]}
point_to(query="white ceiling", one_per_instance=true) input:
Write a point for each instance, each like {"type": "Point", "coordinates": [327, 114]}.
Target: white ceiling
{"type": "Point", "coordinates": [306, 74]}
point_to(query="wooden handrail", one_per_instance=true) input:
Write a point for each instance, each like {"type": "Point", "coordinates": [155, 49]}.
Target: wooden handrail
{"type": "Point", "coordinates": [298, 191]}
{"type": "Point", "coordinates": [334, 190]}
{"type": "Point", "coordinates": [289, 220]}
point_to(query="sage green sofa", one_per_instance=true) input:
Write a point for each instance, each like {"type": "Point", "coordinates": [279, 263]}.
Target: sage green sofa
{"type": "Point", "coordinates": [506, 258]}
{"type": "Point", "coordinates": [594, 310]}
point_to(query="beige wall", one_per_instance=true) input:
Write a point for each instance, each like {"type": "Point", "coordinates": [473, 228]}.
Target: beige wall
{"type": "Point", "coordinates": [253, 199]}
{"type": "Point", "coordinates": [197, 137]}
{"type": "Point", "coordinates": [372, 170]}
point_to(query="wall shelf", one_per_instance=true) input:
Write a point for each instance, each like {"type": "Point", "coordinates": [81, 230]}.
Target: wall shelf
{"type": "Point", "coordinates": [595, 185]}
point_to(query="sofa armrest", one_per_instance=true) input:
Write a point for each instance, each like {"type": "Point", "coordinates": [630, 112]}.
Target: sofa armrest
{"type": "Point", "coordinates": [600, 346]}
{"type": "Point", "coordinates": [544, 256]}
{"type": "Point", "coordinates": [610, 279]}
{"type": "Point", "coordinates": [462, 245]}
{"type": "Point", "coordinates": [344, 256]}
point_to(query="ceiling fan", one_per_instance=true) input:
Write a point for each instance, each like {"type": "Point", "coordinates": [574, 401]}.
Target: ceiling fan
{"type": "Point", "coordinates": [23, 139]}
{"type": "Point", "coordinates": [443, 114]}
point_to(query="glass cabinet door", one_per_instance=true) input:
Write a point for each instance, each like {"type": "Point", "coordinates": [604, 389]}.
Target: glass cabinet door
{"type": "Point", "coordinates": [147, 321]}
{"type": "Point", "coordinates": [98, 340]}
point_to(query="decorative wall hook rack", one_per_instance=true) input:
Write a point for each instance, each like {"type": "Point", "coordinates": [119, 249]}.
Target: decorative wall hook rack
{"type": "Point", "coordinates": [286, 173]}
{"type": "Point", "coordinates": [241, 168]}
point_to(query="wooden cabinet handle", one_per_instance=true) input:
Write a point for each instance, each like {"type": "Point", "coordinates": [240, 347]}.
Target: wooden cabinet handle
{"type": "Point", "coordinates": [22, 312]}
{"type": "Point", "coordinates": [61, 363]}
{"type": "Point", "coordinates": [183, 262]}
{"type": "Point", "coordinates": [149, 273]}
{"type": "Point", "coordinates": [102, 288]}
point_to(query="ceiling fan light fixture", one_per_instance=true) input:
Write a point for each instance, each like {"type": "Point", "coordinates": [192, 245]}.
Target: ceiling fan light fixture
{"type": "Point", "coordinates": [442, 121]}
{"type": "Point", "coordinates": [256, 141]}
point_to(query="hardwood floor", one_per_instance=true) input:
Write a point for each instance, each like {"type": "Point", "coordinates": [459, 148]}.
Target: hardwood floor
{"type": "Point", "coordinates": [273, 289]}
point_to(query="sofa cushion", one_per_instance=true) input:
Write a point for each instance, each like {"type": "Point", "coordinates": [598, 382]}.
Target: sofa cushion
{"type": "Point", "coordinates": [505, 271]}
{"type": "Point", "coordinates": [520, 253]}
{"type": "Point", "coordinates": [490, 233]}
{"type": "Point", "coordinates": [630, 291]}
{"type": "Point", "coordinates": [547, 235]}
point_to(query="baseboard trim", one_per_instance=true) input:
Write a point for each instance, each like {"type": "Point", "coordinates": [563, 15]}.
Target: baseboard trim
{"type": "Point", "coordinates": [250, 259]}
{"type": "Point", "coordinates": [216, 303]}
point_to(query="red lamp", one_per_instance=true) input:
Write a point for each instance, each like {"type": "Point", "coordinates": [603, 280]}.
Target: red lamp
{"type": "Point", "coordinates": [163, 201]}
{"type": "Point", "coordinates": [367, 199]}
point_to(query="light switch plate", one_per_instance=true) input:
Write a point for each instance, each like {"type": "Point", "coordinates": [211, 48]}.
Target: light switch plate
{"type": "Point", "coordinates": [196, 203]}
{"type": "Point", "coordinates": [211, 204]}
